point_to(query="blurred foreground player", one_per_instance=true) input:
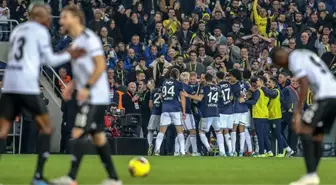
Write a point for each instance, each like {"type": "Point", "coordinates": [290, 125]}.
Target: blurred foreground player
{"type": "Point", "coordinates": [318, 119]}
{"type": "Point", "coordinates": [90, 81]}
{"type": "Point", "coordinates": [30, 42]}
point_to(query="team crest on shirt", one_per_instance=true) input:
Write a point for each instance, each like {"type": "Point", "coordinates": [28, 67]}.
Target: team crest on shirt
{"type": "Point", "coordinates": [170, 82]}
{"type": "Point", "coordinates": [213, 88]}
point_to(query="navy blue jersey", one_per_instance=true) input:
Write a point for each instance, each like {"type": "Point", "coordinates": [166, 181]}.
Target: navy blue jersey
{"type": "Point", "coordinates": [189, 90]}
{"type": "Point", "coordinates": [171, 95]}
{"type": "Point", "coordinates": [195, 104]}
{"type": "Point", "coordinates": [225, 103]}
{"type": "Point", "coordinates": [157, 102]}
{"type": "Point", "coordinates": [209, 103]}
{"type": "Point", "coordinates": [239, 89]}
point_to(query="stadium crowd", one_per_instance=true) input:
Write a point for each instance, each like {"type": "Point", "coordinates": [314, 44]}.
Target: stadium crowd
{"type": "Point", "coordinates": [144, 39]}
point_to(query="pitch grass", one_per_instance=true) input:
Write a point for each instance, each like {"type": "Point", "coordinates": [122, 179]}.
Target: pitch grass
{"type": "Point", "coordinates": [18, 169]}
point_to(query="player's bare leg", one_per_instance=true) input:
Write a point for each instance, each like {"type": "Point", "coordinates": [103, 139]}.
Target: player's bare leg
{"type": "Point", "coordinates": [312, 153]}
{"type": "Point", "coordinates": [180, 136]}
{"type": "Point", "coordinates": [4, 129]}
{"type": "Point", "coordinates": [43, 121]}
{"type": "Point", "coordinates": [241, 129]}
{"type": "Point", "coordinates": [228, 142]}
{"type": "Point", "coordinates": [234, 138]}
{"type": "Point", "coordinates": [159, 139]}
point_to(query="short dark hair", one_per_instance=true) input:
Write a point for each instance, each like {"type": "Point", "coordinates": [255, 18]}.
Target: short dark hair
{"type": "Point", "coordinates": [220, 75]}
{"type": "Point", "coordinates": [274, 80]}
{"type": "Point", "coordinates": [177, 56]}
{"type": "Point", "coordinates": [174, 73]}
{"type": "Point", "coordinates": [264, 79]}
{"type": "Point", "coordinates": [208, 77]}
{"type": "Point", "coordinates": [76, 12]}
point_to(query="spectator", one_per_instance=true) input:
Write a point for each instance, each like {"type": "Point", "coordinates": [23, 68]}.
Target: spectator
{"type": "Point", "coordinates": [158, 66]}
{"type": "Point", "coordinates": [4, 16]}
{"type": "Point", "coordinates": [63, 41]}
{"type": "Point", "coordinates": [166, 5]}
{"type": "Point", "coordinates": [193, 65]}
{"type": "Point", "coordinates": [97, 23]}
{"type": "Point", "coordinates": [220, 38]}
{"type": "Point", "coordinates": [114, 32]}
{"type": "Point", "coordinates": [260, 18]}
{"type": "Point", "coordinates": [120, 73]}
{"type": "Point", "coordinates": [219, 20]}
{"type": "Point", "coordinates": [65, 78]}
{"type": "Point", "coordinates": [203, 58]}
{"type": "Point", "coordinates": [305, 44]}
{"type": "Point", "coordinates": [171, 25]}
{"type": "Point", "coordinates": [105, 38]}
{"type": "Point", "coordinates": [178, 63]}
{"type": "Point", "coordinates": [322, 45]}
{"type": "Point", "coordinates": [236, 34]}
{"type": "Point", "coordinates": [255, 44]}
{"type": "Point", "coordinates": [217, 66]}
{"type": "Point", "coordinates": [234, 51]}
{"type": "Point", "coordinates": [131, 60]}
{"type": "Point", "coordinates": [136, 46]}
{"type": "Point", "coordinates": [137, 28]}
{"type": "Point", "coordinates": [330, 57]}
{"type": "Point", "coordinates": [245, 61]}
{"type": "Point", "coordinates": [121, 51]}
{"type": "Point", "coordinates": [184, 35]}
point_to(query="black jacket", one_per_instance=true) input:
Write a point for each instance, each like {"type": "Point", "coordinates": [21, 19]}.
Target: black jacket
{"type": "Point", "coordinates": [128, 104]}
{"type": "Point", "coordinates": [184, 41]}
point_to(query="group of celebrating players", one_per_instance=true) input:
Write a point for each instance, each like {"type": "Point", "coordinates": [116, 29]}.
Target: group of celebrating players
{"type": "Point", "coordinates": [221, 100]}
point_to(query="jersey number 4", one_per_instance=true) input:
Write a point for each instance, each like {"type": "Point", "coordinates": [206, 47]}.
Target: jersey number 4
{"type": "Point", "coordinates": [17, 48]}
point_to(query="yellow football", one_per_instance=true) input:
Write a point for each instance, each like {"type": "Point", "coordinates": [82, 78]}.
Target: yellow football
{"type": "Point", "coordinates": [139, 167]}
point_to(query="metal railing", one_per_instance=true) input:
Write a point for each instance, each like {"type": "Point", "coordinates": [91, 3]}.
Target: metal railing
{"type": "Point", "coordinates": [50, 74]}
{"type": "Point", "coordinates": [11, 23]}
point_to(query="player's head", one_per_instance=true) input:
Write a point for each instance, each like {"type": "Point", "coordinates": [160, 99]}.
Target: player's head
{"type": "Point", "coordinates": [41, 13]}
{"type": "Point", "coordinates": [271, 83]}
{"type": "Point", "coordinates": [279, 56]}
{"type": "Point", "coordinates": [235, 75]}
{"type": "Point", "coordinates": [261, 81]}
{"type": "Point", "coordinates": [193, 78]}
{"type": "Point", "coordinates": [174, 73]}
{"type": "Point", "coordinates": [185, 77]}
{"type": "Point", "coordinates": [208, 78]}
{"type": "Point", "coordinates": [220, 75]}
{"type": "Point", "coordinates": [71, 16]}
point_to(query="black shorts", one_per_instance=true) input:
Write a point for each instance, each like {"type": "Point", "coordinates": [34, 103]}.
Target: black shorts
{"type": "Point", "coordinates": [91, 118]}
{"type": "Point", "coordinates": [321, 115]}
{"type": "Point", "coordinates": [11, 105]}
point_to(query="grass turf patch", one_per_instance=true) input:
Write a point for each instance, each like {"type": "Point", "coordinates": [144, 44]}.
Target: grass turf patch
{"type": "Point", "coordinates": [18, 169]}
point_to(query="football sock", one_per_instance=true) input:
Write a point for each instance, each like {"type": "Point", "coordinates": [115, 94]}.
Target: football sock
{"type": "Point", "coordinates": [248, 140]}
{"type": "Point", "coordinates": [43, 154]}
{"type": "Point", "coordinates": [187, 143]}
{"type": "Point", "coordinates": [77, 155]}
{"type": "Point", "coordinates": [193, 142]}
{"type": "Point", "coordinates": [158, 142]}
{"type": "Point", "coordinates": [177, 145]}
{"type": "Point", "coordinates": [220, 142]}
{"type": "Point", "coordinates": [205, 141]}
{"type": "Point", "coordinates": [182, 143]}
{"type": "Point", "coordinates": [288, 149]}
{"type": "Point", "coordinates": [2, 145]}
{"type": "Point", "coordinates": [233, 139]}
{"type": "Point", "coordinates": [105, 156]}
{"type": "Point", "coordinates": [318, 152]}
{"type": "Point", "coordinates": [228, 142]}
{"type": "Point", "coordinates": [150, 138]}
{"type": "Point", "coordinates": [309, 153]}
{"type": "Point", "coordinates": [242, 141]}
{"type": "Point", "coordinates": [255, 138]}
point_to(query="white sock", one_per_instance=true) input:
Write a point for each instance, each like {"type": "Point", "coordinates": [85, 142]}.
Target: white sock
{"type": "Point", "coordinates": [242, 141]}
{"type": "Point", "coordinates": [193, 142]}
{"type": "Point", "coordinates": [233, 140]}
{"type": "Point", "coordinates": [187, 144]}
{"type": "Point", "coordinates": [220, 142]}
{"type": "Point", "coordinates": [182, 144]}
{"type": "Point", "coordinates": [228, 142]}
{"type": "Point", "coordinates": [177, 145]}
{"type": "Point", "coordinates": [255, 138]}
{"type": "Point", "coordinates": [158, 142]}
{"type": "Point", "coordinates": [205, 141]}
{"type": "Point", "coordinates": [150, 138]}
{"type": "Point", "coordinates": [288, 149]}
{"type": "Point", "coordinates": [248, 140]}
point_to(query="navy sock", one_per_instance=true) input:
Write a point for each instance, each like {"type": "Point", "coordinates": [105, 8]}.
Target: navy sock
{"type": "Point", "coordinates": [105, 156]}
{"type": "Point", "coordinates": [43, 154]}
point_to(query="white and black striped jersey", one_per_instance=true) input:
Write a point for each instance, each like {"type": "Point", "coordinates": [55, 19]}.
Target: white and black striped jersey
{"type": "Point", "coordinates": [321, 81]}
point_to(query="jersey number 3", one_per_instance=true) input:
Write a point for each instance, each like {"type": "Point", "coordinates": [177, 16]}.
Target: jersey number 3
{"type": "Point", "coordinates": [18, 50]}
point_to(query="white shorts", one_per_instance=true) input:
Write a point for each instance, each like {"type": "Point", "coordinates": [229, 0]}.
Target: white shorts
{"type": "Point", "coordinates": [168, 118]}
{"type": "Point", "coordinates": [154, 122]}
{"type": "Point", "coordinates": [226, 120]}
{"type": "Point", "coordinates": [242, 119]}
{"type": "Point", "coordinates": [189, 122]}
{"type": "Point", "coordinates": [206, 123]}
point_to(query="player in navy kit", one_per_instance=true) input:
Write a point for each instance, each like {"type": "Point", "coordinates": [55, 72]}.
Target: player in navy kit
{"type": "Point", "coordinates": [171, 92]}
{"type": "Point", "coordinates": [155, 103]}
{"type": "Point", "coordinates": [241, 120]}
{"type": "Point", "coordinates": [209, 96]}
{"type": "Point", "coordinates": [225, 108]}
